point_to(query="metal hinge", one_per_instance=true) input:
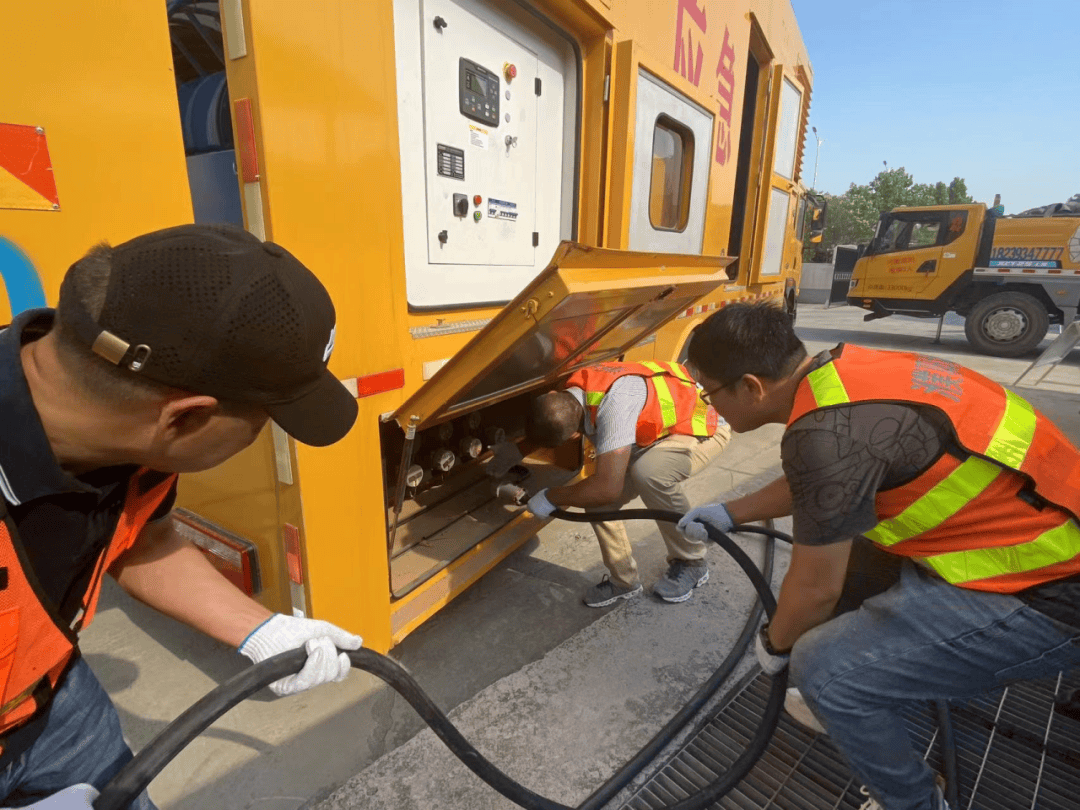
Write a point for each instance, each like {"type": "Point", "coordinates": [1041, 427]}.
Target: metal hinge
{"type": "Point", "coordinates": [538, 86]}
{"type": "Point", "coordinates": [607, 87]}
{"type": "Point", "coordinates": [536, 239]}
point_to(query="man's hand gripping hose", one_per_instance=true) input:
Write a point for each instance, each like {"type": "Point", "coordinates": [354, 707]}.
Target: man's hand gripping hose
{"type": "Point", "coordinates": [138, 773]}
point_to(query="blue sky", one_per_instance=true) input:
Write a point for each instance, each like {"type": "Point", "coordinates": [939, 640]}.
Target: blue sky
{"type": "Point", "coordinates": [988, 91]}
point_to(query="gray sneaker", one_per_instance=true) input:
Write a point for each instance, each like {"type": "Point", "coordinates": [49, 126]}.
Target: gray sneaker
{"type": "Point", "coordinates": [605, 592]}
{"type": "Point", "coordinates": [682, 576]}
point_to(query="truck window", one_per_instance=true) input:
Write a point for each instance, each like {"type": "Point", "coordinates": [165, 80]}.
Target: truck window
{"type": "Point", "coordinates": [909, 234]}
{"type": "Point", "coordinates": [957, 223]}
{"type": "Point", "coordinates": [672, 162]}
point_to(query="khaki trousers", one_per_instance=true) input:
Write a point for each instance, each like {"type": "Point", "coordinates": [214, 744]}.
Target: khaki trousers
{"type": "Point", "coordinates": [656, 474]}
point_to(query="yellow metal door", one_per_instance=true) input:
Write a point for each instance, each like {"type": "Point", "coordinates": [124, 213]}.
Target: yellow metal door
{"type": "Point", "coordinates": [588, 306]}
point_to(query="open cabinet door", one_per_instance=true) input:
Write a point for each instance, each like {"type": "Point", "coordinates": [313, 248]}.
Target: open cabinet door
{"type": "Point", "coordinates": [588, 306]}
{"type": "Point", "coordinates": [660, 146]}
{"type": "Point", "coordinates": [776, 184]}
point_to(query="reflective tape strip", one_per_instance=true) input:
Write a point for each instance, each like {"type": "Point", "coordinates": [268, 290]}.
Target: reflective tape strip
{"type": "Point", "coordinates": [827, 386]}
{"type": "Point", "coordinates": [944, 500]}
{"type": "Point", "coordinates": [1055, 546]}
{"type": "Point", "coordinates": [700, 423]}
{"type": "Point", "coordinates": [676, 371]}
{"type": "Point", "coordinates": [1014, 434]}
{"type": "Point", "coordinates": [655, 368]}
{"type": "Point", "coordinates": [667, 402]}
{"type": "Point", "coordinates": [594, 398]}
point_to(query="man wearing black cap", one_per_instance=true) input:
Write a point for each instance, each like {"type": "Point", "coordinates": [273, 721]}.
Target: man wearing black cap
{"type": "Point", "coordinates": [166, 354]}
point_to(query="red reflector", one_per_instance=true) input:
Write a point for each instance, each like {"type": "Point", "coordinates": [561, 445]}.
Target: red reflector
{"type": "Point", "coordinates": [235, 557]}
{"type": "Point", "coordinates": [377, 383]}
{"type": "Point", "coordinates": [245, 140]}
{"type": "Point", "coordinates": [291, 535]}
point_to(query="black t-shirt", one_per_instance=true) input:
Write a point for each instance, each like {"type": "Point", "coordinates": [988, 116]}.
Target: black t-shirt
{"type": "Point", "coordinates": [836, 461]}
{"type": "Point", "coordinates": [64, 534]}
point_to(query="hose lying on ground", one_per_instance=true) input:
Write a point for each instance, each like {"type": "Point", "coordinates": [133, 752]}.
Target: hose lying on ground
{"type": "Point", "coordinates": [138, 773]}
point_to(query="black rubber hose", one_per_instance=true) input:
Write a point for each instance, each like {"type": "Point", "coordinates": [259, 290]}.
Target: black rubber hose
{"type": "Point", "coordinates": [622, 777]}
{"type": "Point", "coordinates": [948, 750]}
{"type": "Point", "coordinates": [137, 774]}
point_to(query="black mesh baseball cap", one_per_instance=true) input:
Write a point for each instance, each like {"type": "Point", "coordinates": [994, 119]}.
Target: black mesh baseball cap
{"type": "Point", "coordinates": [213, 310]}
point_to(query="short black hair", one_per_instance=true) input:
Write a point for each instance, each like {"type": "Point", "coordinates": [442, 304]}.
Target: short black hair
{"type": "Point", "coordinates": [553, 418]}
{"type": "Point", "coordinates": [740, 339]}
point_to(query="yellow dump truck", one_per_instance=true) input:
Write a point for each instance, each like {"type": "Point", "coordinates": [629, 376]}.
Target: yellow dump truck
{"type": "Point", "coordinates": [495, 193]}
{"type": "Point", "coordinates": [1009, 276]}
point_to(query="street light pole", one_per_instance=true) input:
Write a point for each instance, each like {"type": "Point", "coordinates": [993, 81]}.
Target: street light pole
{"type": "Point", "coordinates": [817, 153]}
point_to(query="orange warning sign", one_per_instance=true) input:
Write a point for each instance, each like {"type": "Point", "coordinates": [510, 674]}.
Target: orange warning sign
{"type": "Point", "coordinates": [26, 175]}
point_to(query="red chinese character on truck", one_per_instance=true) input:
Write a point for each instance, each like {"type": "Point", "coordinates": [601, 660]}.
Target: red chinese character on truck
{"type": "Point", "coordinates": [725, 90]}
{"type": "Point", "coordinates": [687, 64]}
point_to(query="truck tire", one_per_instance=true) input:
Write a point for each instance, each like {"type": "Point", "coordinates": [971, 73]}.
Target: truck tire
{"type": "Point", "coordinates": [791, 305]}
{"type": "Point", "coordinates": [1006, 324]}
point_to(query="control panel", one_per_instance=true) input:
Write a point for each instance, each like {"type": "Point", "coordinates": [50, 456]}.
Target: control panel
{"type": "Point", "coordinates": [478, 92]}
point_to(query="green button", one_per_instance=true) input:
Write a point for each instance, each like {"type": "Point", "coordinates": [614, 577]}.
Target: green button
{"type": "Point", "coordinates": [477, 215]}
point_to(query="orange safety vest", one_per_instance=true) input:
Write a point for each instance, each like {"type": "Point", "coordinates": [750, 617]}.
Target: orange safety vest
{"type": "Point", "coordinates": [1002, 517]}
{"type": "Point", "coordinates": [35, 645]}
{"type": "Point", "coordinates": [673, 403]}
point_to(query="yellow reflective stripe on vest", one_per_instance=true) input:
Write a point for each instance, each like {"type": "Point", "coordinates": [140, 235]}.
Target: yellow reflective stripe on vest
{"type": "Point", "coordinates": [1049, 548]}
{"type": "Point", "coordinates": [1014, 434]}
{"type": "Point", "coordinates": [655, 368]}
{"type": "Point", "coordinates": [667, 402]}
{"type": "Point", "coordinates": [594, 398]}
{"type": "Point", "coordinates": [675, 371]}
{"type": "Point", "coordinates": [943, 501]}
{"type": "Point", "coordinates": [700, 422]}
{"type": "Point", "coordinates": [827, 387]}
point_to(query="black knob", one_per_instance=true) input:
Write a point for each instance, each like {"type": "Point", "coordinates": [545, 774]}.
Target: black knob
{"type": "Point", "coordinates": [443, 236]}
{"type": "Point", "coordinates": [440, 24]}
{"type": "Point", "coordinates": [461, 205]}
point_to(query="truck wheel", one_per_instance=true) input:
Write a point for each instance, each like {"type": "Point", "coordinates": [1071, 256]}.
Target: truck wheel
{"type": "Point", "coordinates": [791, 306]}
{"type": "Point", "coordinates": [1006, 324]}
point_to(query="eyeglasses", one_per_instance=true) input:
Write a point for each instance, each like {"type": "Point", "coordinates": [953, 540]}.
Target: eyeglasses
{"type": "Point", "coordinates": [707, 395]}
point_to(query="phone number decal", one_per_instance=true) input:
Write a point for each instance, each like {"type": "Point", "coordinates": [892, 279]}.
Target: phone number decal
{"type": "Point", "coordinates": [1026, 257]}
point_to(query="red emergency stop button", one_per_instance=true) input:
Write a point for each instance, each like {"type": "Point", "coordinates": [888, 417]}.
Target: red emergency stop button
{"type": "Point", "coordinates": [510, 71]}
{"type": "Point", "coordinates": [477, 199]}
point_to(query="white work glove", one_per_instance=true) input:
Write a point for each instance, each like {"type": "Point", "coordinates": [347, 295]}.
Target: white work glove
{"type": "Point", "coordinates": [322, 640]}
{"type": "Point", "coordinates": [715, 514]}
{"type": "Point", "coordinates": [771, 662]}
{"type": "Point", "coordinates": [540, 506]}
{"type": "Point", "coordinates": [76, 797]}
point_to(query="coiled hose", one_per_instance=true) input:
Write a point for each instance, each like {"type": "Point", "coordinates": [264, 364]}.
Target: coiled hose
{"type": "Point", "coordinates": [137, 774]}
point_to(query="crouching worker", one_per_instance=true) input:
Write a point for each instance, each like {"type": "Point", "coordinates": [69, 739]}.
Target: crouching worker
{"type": "Point", "coordinates": [166, 354]}
{"type": "Point", "coordinates": [971, 493]}
{"type": "Point", "coordinates": [651, 431]}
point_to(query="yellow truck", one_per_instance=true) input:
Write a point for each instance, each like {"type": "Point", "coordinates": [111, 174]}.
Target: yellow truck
{"type": "Point", "coordinates": [1009, 276]}
{"type": "Point", "coordinates": [495, 192]}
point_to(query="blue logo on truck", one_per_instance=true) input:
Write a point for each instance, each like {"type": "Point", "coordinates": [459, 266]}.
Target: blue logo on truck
{"type": "Point", "coordinates": [24, 290]}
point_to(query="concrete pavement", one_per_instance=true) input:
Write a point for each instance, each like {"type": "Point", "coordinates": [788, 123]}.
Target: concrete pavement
{"type": "Point", "coordinates": [558, 694]}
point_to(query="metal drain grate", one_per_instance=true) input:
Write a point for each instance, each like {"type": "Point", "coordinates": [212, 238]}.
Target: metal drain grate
{"type": "Point", "coordinates": [1013, 752]}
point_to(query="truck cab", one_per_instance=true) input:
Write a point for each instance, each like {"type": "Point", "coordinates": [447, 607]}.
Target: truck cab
{"type": "Point", "coordinates": [1010, 277]}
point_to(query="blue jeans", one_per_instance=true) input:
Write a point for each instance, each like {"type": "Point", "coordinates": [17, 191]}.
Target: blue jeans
{"type": "Point", "coordinates": [921, 639]}
{"type": "Point", "coordinates": [81, 743]}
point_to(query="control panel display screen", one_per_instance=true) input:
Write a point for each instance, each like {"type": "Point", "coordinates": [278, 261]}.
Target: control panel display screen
{"type": "Point", "coordinates": [475, 83]}
{"type": "Point", "coordinates": [478, 92]}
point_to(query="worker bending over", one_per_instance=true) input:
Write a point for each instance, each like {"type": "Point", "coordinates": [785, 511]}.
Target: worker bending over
{"type": "Point", "coordinates": [651, 431]}
{"type": "Point", "coordinates": [166, 354]}
{"type": "Point", "coordinates": [973, 491]}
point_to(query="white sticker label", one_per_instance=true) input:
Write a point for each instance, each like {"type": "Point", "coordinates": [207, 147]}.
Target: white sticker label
{"type": "Point", "coordinates": [478, 137]}
{"type": "Point", "coordinates": [501, 209]}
